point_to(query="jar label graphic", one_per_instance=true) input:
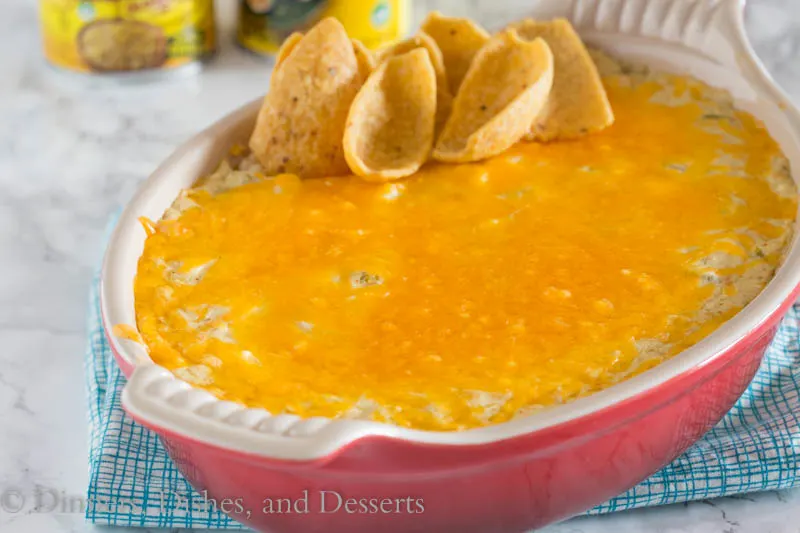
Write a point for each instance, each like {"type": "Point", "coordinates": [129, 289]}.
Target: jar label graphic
{"type": "Point", "coordinates": [97, 36]}
{"type": "Point", "coordinates": [264, 24]}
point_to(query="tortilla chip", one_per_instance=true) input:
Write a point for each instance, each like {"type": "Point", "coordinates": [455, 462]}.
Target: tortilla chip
{"type": "Point", "coordinates": [444, 98]}
{"type": "Point", "coordinates": [286, 48]}
{"type": "Point", "coordinates": [301, 123]}
{"type": "Point", "coordinates": [579, 104]}
{"type": "Point", "coordinates": [505, 88]}
{"type": "Point", "coordinates": [365, 58]}
{"type": "Point", "coordinates": [459, 39]}
{"type": "Point", "coordinates": [390, 127]}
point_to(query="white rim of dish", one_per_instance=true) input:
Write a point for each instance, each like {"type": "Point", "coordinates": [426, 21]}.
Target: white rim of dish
{"type": "Point", "coordinates": [712, 29]}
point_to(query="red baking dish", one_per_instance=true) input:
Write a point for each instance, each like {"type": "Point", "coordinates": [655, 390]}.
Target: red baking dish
{"type": "Point", "coordinates": [525, 473]}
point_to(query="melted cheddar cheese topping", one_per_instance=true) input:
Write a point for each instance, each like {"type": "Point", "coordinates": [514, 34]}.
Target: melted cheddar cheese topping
{"type": "Point", "coordinates": [468, 294]}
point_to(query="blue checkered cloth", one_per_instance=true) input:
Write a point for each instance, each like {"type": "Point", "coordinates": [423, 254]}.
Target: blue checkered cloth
{"type": "Point", "coordinates": [133, 482]}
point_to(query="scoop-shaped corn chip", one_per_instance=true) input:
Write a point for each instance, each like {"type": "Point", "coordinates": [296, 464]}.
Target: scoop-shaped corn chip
{"type": "Point", "coordinates": [286, 48]}
{"type": "Point", "coordinates": [301, 123]}
{"type": "Point", "coordinates": [459, 39]}
{"type": "Point", "coordinates": [578, 104]}
{"type": "Point", "coordinates": [504, 90]}
{"type": "Point", "coordinates": [390, 127]}
{"type": "Point", "coordinates": [365, 58]}
{"type": "Point", "coordinates": [444, 98]}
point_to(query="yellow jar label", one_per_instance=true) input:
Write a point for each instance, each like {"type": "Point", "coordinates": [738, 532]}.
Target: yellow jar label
{"type": "Point", "coordinates": [264, 24]}
{"type": "Point", "coordinates": [126, 35]}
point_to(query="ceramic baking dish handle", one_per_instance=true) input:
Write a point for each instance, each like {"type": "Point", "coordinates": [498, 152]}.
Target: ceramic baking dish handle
{"type": "Point", "coordinates": [711, 29]}
{"type": "Point", "coordinates": [173, 408]}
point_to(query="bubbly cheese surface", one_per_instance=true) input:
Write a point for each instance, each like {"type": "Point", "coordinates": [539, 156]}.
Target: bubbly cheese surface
{"type": "Point", "coordinates": [468, 294]}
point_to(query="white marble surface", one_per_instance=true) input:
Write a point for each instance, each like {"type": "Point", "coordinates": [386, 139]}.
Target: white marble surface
{"type": "Point", "coordinates": [71, 151]}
